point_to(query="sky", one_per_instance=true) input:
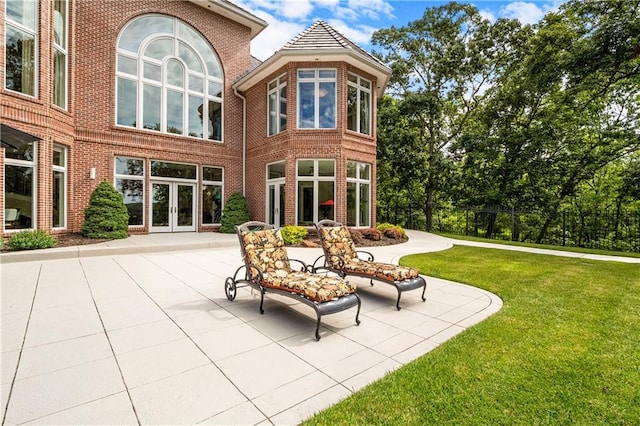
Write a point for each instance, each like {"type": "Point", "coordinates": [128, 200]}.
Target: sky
{"type": "Point", "coordinates": [358, 19]}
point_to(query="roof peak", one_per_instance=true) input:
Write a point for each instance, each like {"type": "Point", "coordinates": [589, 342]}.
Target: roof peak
{"type": "Point", "coordinates": [318, 36]}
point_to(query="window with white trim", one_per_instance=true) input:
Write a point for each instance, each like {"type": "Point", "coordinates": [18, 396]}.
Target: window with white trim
{"type": "Point", "coordinates": [359, 104]}
{"type": "Point", "coordinates": [20, 187]}
{"type": "Point", "coordinates": [212, 195]}
{"type": "Point", "coordinates": [60, 14]}
{"type": "Point", "coordinates": [358, 194]}
{"type": "Point", "coordinates": [59, 186]}
{"type": "Point", "coordinates": [315, 190]}
{"type": "Point", "coordinates": [169, 79]}
{"type": "Point", "coordinates": [317, 99]}
{"type": "Point", "coordinates": [129, 177]}
{"type": "Point", "coordinates": [21, 33]}
{"type": "Point", "coordinates": [277, 101]}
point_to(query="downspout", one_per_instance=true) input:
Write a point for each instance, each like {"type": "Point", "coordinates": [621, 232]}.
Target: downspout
{"type": "Point", "coordinates": [244, 141]}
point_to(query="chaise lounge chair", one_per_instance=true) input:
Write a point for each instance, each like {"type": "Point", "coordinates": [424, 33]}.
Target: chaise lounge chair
{"type": "Point", "coordinates": [340, 256]}
{"type": "Point", "coordinates": [267, 268]}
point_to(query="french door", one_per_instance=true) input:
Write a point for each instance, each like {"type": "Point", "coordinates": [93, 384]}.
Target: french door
{"type": "Point", "coordinates": [173, 207]}
{"type": "Point", "coordinates": [275, 203]}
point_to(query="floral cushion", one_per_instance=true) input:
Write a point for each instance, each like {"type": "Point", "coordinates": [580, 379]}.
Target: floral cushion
{"type": "Point", "coordinates": [337, 243]}
{"type": "Point", "coordinates": [315, 287]}
{"type": "Point", "coordinates": [266, 250]}
{"type": "Point", "coordinates": [385, 271]}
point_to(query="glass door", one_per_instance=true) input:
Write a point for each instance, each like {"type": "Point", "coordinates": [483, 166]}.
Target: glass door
{"type": "Point", "coordinates": [275, 203]}
{"type": "Point", "coordinates": [173, 206]}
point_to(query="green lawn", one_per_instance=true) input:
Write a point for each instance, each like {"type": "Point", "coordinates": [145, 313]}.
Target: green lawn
{"type": "Point", "coordinates": [564, 349]}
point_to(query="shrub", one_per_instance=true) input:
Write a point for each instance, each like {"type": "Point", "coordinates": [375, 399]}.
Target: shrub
{"type": "Point", "coordinates": [371, 234]}
{"type": "Point", "coordinates": [356, 236]}
{"type": "Point", "coordinates": [384, 227]}
{"type": "Point", "coordinates": [31, 240]}
{"type": "Point", "coordinates": [393, 234]}
{"type": "Point", "coordinates": [106, 216]}
{"type": "Point", "coordinates": [235, 212]}
{"type": "Point", "coordinates": [292, 234]}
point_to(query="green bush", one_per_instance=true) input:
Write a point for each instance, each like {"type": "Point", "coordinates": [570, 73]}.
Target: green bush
{"type": "Point", "coordinates": [235, 212]}
{"type": "Point", "coordinates": [106, 216]}
{"type": "Point", "coordinates": [292, 234]}
{"type": "Point", "coordinates": [31, 240]}
{"type": "Point", "coordinates": [384, 227]}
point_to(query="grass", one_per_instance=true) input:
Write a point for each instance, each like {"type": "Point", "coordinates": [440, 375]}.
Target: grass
{"type": "Point", "coordinates": [542, 246]}
{"type": "Point", "coordinates": [564, 349]}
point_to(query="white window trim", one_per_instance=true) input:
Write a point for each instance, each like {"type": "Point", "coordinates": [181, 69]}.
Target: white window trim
{"type": "Point", "coordinates": [64, 50]}
{"type": "Point", "coordinates": [34, 165]}
{"type": "Point", "coordinates": [359, 89]}
{"type": "Point", "coordinates": [64, 170]}
{"type": "Point", "coordinates": [315, 179]}
{"type": "Point", "coordinates": [317, 80]}
{"type": "Point", "coordinates": [117, 176]}
{"type": "Point", "coordinates": [276, 90]}
{"type": "Point", "coordinates": [213, 183]}
{"type": "Point", "coordinates": [358, 181]}
{"type": "Point", "coordinates": [36, 63]}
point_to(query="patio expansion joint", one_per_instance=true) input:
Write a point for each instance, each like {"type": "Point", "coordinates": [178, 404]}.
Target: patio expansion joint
{"type": "Point", "coordinates": [24, 337]}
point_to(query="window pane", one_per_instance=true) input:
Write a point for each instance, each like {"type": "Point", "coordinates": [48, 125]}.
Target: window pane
{"type": "Point", "coordinates": [59, 154]}
{"type": "Point", "coordinates": [364, 204]}
{"type": "Point", "coordinates": [365, 170]}
{"type": "Point", "coordinates": [283, 108]}
{"type": "Point", "coordinates": [306, 111]}
{"type": "Point", "coordinates": [352, 108]}
{"type": "Point", "coordinates": [133, 195]}
{"type": "Point", "coordinates": [152, 71]}
{"type": "Point", "coordinates": [306, 74]}
{"type": "Point", "coordinates": [127, 65]}
{"type": "Point", "coordinates": [175, 73]}
{"type": "Point", "coordinates": [353, 79]}
{"type": "Point", "coordinates": [305, 167]}
{"type": "Point", "coordinates": [351, 204]}
{"type": "Point", "coordinates": [201, 46]}
{"type": "Point", "coordinates": [215, 121]}
{"type": "Point", "coordinates": [196, 84]}
{"type": "Point", "coordinates": [189, 57]}
{"type": "Point", "coordinates": [20, 61]}
{"type": "Point", "coordinates": [351, 169]}
{"type": "Point", "coordinates": [60, 23]}
{"type": "Point", "coordinates": [151, 107]}
{"type": "Point", "coordinates": [58, 199]}
{"type": "Point", "coordinates": [129, 166]}
{"type": "Point", "coordinates": [175, 109]}
{"type": "Point", "coordinates": [365, 113]}
{"type": "Point", "coordinates": [327, 74]}
{"type": "Point", "coordinates": [327, 94]}
{"type": "Point", "coordinates": [127, 99]}
{"type": "Point", "coordinates": [18, 197]}
{"type": "Point", "coordinates": [212, 174]}
{"type": "Point", "coordinates": [174, 170]}
{"type": "Point", "coordinates": [211, 204]}
{"type": "Point", "coordinates": [326, 168]}
{"type": "Point", "coordinates": [273, 114]}
{"type": "Point", "coordinates": [305, 203]}
{"type": "Point", "coordinates": [196, 104]}
{"type": "Point", "coordinates": [215, 89]}
{"type": "Point", "coordinates": [326, 207]}
{"type": "Point", "coordinates": [139, 29]}
{"type": "Point", "coordinates": [22, 12]}
{"type": "Point", "coordinates": [159, 48]}
{"type": "Point", "coordinates": [277, 170]}
{"type": "Point", "coordinates": [22, 152]}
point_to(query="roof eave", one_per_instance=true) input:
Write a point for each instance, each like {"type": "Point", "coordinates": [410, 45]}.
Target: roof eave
{"type": "Point", "coordinates": [235, 13]}
{"type": "Point", "coordinates": [282, 57]}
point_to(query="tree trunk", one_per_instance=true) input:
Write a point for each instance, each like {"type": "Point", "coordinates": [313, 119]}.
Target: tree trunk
{"type": "Point", "coordinates": [428, 210]}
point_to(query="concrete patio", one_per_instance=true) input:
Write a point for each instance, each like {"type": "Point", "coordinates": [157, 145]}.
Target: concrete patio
{"type": "Point", "coordinates": [139, 331]}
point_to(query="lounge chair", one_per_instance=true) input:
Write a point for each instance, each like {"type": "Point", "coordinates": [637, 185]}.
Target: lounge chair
{"type": "Point", "coordinates": [340, 256]}
{"type": "Point", "coordinates": [267, 268]}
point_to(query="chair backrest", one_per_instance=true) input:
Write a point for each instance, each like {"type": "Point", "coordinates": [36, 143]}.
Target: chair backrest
{"type": "Point", "coordinates": [262, 245]}
{"type": "Point", "coordinates": [11, 215]}
{"type": "Point", "coordinates": [336, 242]}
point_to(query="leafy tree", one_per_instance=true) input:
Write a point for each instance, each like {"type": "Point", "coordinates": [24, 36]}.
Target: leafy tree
{"type": "Point", "coordinates": [106, 216]}
{"type": "Point", "coordinates": [235, 212]}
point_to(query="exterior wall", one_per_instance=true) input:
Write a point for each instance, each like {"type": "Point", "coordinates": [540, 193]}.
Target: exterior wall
{"type": "Point", "coordinates": [293, 144]}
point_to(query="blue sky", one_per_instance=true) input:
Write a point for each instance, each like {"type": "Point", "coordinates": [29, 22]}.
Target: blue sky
{"type": "Point", "coordinates": [358, 19]}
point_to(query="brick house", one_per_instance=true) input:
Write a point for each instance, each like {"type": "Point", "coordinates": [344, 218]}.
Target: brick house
{"type": "Point", "coordinates": [164, 100]}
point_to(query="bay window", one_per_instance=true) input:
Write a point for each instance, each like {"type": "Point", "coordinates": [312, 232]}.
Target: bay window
{"type": "Point", "coordinates": [317, 99]}
{"type": "Point", "coordinates": [359, 104]}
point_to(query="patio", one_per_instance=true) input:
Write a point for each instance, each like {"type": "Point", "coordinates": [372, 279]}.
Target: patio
{"type": "Point", "coordinates": [140, 331]}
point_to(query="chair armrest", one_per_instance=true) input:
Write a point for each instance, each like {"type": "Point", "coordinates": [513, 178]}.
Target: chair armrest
{"type": "Point", "coordinates": [304, 267]}
{"type": "Point", "coordinates": [368, 254]}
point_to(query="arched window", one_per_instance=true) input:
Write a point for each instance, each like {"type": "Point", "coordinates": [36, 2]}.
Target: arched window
{"type": "Point", "coordinates": [169, 79]}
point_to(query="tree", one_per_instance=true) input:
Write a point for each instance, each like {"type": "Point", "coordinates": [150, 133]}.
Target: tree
{"type": "Point", "coordinates": [106, 216]}
{"type": "Point", "coordinates": [235, 212]}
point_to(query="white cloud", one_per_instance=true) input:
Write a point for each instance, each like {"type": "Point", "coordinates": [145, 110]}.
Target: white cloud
{"type": "Point", "coordinates": [296, 9]}
{"type": "Point", "coordinates": [275, 36]}
{"type": "Point", "coordinates": [359, 34]}
{"type": "Point", "coordinates": [488, 15]}
{"type": "Point", "coordinates": [372, 8]}
{"type": "Point", "coordinates": [526, 13]}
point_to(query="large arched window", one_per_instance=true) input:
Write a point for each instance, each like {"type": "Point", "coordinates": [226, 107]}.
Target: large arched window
{"type": "Point", "coordinates": [169, 79]}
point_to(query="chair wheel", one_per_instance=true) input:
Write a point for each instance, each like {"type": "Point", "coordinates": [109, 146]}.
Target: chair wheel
{"type": "Point", "coordinates": [230, 288]}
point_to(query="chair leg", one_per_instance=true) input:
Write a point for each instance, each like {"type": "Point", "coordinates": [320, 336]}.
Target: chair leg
{"type": "Point", "coordinates": [358, 312]}
{"type": "Point", "coordinates": [261, 301]}
{"type": "Point", "coordinates": [398, 301]}
{"type": "Point", "coordinates": [318, 326]}
{"type": "Point", "coordinates": [424, 289]}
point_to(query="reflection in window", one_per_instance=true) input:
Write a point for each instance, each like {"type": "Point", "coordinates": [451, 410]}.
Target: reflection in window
{"type": "Point", "coordinates": [358, 194]}
{"type": "Point", "coordinates": [315, 191]}
{"type": "Point", "coordinates": [129, 177]}
{"type": "Point", "coordinates": [19, 187]}
{"type": "Point", "coordinates": [317, 99]}
{"type": "Point", "coordinates": [59, 186]}
{"type": "Point", "coordinates": [181, 87]}
{"type": "Point", "coordinates": [20, 46]}
{"type": "Point", "coordinates": [212, 196]}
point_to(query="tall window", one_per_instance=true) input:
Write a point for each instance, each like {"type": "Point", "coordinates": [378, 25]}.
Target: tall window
{"type": "Point", "coordinates": [21, 25]}
{"type": "Point", "coordinates": [20, 186]}
{"type": "Point", "coordinates": [316, 190]}
{"type": "Point", "coordinates": [59, 186]}
{"type": "Point", "coordinates": [277, 100]}
{"type": "Point", "coordinates": [358, 194]}
{"type": "Point", "coordinates": [129, 176]}
{"type": "Point", "coordinates": [359, 104]}
{"type": "Point", "coordinates": [317, 99]}
{"type": "Point", "coordinates": [212, 184]}
{"type": "Point", "coordinates": [60, 13]}
{"type": "Point", "coordinates": [169, 79]}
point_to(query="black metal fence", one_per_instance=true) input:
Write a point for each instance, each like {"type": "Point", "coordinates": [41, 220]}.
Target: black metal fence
{"type": "Point", "coordinates": [615, 229]}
